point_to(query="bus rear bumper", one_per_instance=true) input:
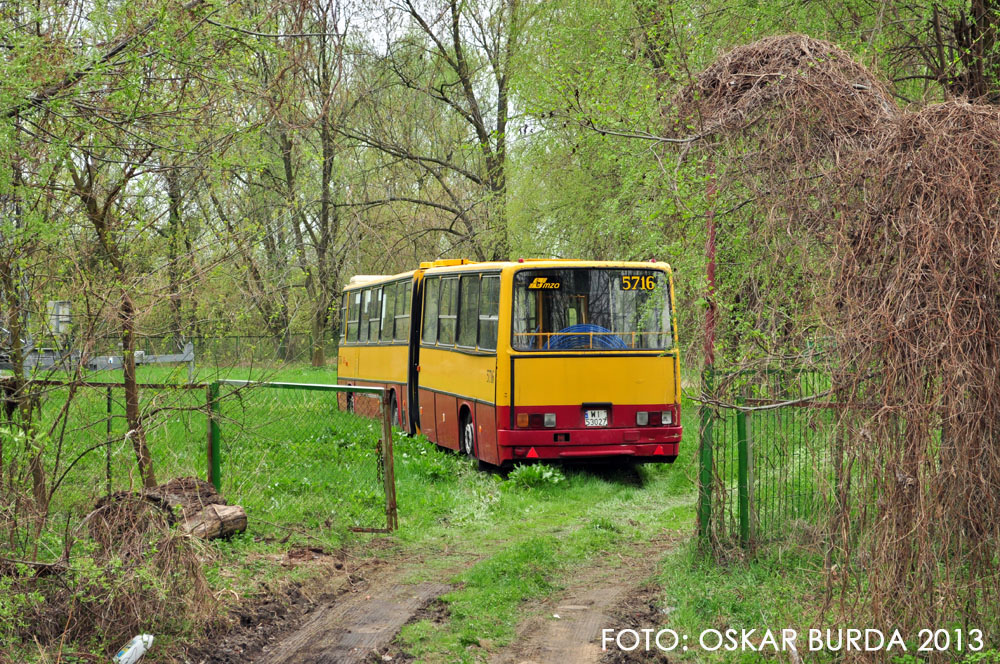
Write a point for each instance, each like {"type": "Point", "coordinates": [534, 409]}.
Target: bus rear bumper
{"type": "Point", "coordinates": [642, 445]}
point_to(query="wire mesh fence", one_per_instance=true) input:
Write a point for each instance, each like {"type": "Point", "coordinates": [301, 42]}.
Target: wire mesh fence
{"type": "Point", "coordinates": [769, 446]}
{"type": "Point", "coordinates": [288, 454]}
{"type": "Point", "coordinates": [79, 449]}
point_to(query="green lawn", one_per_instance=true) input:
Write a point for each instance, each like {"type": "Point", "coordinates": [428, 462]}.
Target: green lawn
{"type": "Point", "coordinates": [306, 473]}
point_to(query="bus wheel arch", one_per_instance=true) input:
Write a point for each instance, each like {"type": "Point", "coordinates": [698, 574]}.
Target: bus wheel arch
{"type": "Point", "coordinates": [467, 431]}
{"type": "Point", "coordinates": [394, 408]}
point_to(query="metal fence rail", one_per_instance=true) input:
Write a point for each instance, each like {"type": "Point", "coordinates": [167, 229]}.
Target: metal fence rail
{"type": "Point", "coordinates": [285, 452]}
{"type": "Point", "coordinates": [224, 350]}
{"type": "Point", "coordinates": [768, 446]}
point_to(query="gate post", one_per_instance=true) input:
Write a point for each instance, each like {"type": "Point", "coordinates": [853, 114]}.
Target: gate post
{"type": "Point", "coordinates": [743, 446]}
{"type": "Point", "coordinates": [389, 474]}
{"type": "Point", "coordinates": [705, 473]}
{"type": "Point", "coordinates": [214, 437]}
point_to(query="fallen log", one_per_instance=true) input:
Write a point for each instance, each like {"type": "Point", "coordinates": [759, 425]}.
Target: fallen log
{"type": "Point", "coordinates": [190, 503]}
{"type": "Point", "coordinates": [216, 521]}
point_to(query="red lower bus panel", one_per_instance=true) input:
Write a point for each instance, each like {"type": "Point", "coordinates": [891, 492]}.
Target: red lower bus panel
{"type": "Point", "coordinates": [446, 420]}
{"type": "Point", "coordinates": [428, 426]}
{"type": "Point", "coordinates": [486, 433]}
{"type": "Point", "coordinates": [663, 452]}
{"type": "Point", "coordinates": [571, 440]}
{"type": "Point", "coordinates": [366, 405]}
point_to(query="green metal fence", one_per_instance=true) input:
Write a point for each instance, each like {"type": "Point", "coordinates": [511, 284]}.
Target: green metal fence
{"type": "Point", "coordinates": [84, 451]}
{"type": "Point", "coordinates": [282, 451]}
{"type": "Point", "coordinates": [286, 453]}
{"type": "Point", "coordinates": [768, 449]}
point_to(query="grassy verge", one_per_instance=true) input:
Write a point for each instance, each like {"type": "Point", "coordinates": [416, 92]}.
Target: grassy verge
{"type": "Point", "coordinates": [514, 539]}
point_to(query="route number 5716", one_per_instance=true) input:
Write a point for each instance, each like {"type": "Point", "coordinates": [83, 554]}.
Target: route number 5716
{"type": "Point", "coordinates": [638, 283]}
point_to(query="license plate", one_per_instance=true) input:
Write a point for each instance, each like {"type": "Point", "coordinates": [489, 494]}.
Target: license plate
{"type": "Point", "coordinates": [595, 418]}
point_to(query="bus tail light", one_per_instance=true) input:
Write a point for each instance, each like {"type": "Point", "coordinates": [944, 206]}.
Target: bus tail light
{"type": "Point", "coordinates": [655, 418]}
{"type": "Point", "coordinates": [641, 418]}
{"type": "Point", "coordinates": [535, 420]}
{"type": "Point", "coordinates": [522, 420]}
{"type": "Point", "coordinates": [550, 420]}
{"type": "Point", "coordinates": [668, 417]}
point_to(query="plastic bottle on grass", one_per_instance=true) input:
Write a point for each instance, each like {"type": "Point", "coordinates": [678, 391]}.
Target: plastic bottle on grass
{"type": "Point", "coordinates": [133, 651]}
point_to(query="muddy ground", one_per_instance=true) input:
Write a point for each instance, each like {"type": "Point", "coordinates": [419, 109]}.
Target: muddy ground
{"type": "Point", "coordinates": [353, 611]}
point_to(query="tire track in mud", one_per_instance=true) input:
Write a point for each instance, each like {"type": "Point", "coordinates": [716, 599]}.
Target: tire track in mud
{"type": "Point", "coordinates": [568, 628]}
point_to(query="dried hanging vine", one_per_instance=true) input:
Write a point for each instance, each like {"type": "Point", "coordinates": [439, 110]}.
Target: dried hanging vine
{"type": "Point", "coordinates": [893, 216]}
{"type": "Point", "coordinates": [918, 276]}
{"type": "Point", "coordinates": [780, 116]}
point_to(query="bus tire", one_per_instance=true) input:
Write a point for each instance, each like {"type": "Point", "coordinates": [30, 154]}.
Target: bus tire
{"type": "Point", "coordinates": [467, 444]}
{"type": "Point", "coordinates": [350, 402]}
{"type": "Point", "coordinates": [394, 410]}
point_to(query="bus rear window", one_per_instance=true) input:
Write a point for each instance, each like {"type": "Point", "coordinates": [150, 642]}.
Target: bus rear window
{"type": "Point", "coordinates": [591, 309]}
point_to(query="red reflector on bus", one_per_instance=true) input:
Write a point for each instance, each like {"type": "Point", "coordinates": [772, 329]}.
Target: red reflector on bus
{"type": "Point", "coordinates": [532, 454]}
{"type": "Point", "coordinates": [658, 450]}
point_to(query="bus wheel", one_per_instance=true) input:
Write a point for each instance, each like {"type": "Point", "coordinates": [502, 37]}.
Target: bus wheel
{"type": "Point", "coordinates": [350, 402]}
{"type": "Point", "coordinates": [468, 436]}
{"type": "Point", "coordinates": [394, 409]}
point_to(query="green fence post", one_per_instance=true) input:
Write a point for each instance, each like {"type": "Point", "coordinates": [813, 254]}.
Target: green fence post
{"type": "Point", "coordinates": [214, 437]}
{"type": "Point", "coordinates": [107, 451]}
{"type": "Point", "coordinates": [744, 476]}
{"type": "Point", "coordinates": [705, 473]}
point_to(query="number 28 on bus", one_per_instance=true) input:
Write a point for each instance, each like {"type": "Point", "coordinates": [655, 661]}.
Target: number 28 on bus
{"type": "Point", "coordinates": [510, 361]}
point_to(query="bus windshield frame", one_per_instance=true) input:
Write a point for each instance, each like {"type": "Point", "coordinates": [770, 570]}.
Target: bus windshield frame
{"type": "Point", "coordinates": [605, 309]}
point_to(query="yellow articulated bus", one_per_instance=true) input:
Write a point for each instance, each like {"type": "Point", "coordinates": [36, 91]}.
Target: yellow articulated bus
{"type": "Point", "coordinates": [534, 359]}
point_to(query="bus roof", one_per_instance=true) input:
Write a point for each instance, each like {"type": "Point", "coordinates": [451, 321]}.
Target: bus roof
{"type": "Point", "coordinates": [544, 263]}
{"type": "Point", "coordinates": [363, 280]}
{"type": "Point", "coordinates": [462, 264]}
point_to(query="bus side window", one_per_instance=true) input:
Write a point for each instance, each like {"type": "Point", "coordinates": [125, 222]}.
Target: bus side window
{"type": "Point", "coordinates": [489, 310]}
{"type": "Point", "coordinates": [354, 314]}
{"type": "Point", "coordinates": [388, 311]}
{"type": "Point", "coordinates": [404, 290]}
{"type": "Point", "coordinates": [448, 311]}
{"type": "Point", "coordinates": [431, 310]}
{"type": "Point", "coordinates": [365, 309]}
{"type": "Point", "coordinates": [468, 311]}
{"type": "Point", "coordinates": [343, 317]}
{"type": "Point", "coordinates": [375, 315]}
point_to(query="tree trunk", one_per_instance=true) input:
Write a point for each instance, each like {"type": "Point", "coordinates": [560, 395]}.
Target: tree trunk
{"type": "Point", "coordinates": [10, 285]}
{"type": "Point", "coordinates": [318, 339]}
{"type": "Point", "coordinates": [136, 431]}
{"type": "Point", "coordinates": [175, 245]}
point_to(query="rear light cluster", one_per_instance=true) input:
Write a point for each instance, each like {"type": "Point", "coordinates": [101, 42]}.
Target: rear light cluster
{"type": "Point", "coordinates": [654, 418]}
{"type": "Point", "coordinates": [643, 418]}
{"type": "Point", "coordinates": [536, 420]}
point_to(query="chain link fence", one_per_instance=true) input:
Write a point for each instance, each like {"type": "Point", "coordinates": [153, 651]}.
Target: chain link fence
{"type": "Point", "coordinates": [80, 450]}
{"type": "Point", "coordinates": [289, 455]}
{"type": "Point", "coordinates": [769, 449]}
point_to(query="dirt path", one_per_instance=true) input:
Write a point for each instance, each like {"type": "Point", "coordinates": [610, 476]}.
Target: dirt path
{"type": "Point", "coordinates": [359, 622]}
{"type": "Point", "coordinates": [568, 628]}
{"type": "Point", "coordinates": [352, 629]}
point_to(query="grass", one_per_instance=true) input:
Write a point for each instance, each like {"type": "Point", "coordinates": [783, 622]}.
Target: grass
{"type": "Point", "coordinates": [305, 473]}
{"type": "Point", "coordinates": [775, 590]}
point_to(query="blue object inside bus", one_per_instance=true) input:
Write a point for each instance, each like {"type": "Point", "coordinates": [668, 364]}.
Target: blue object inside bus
{"type": "Point", "coordinates": [578, 336]}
